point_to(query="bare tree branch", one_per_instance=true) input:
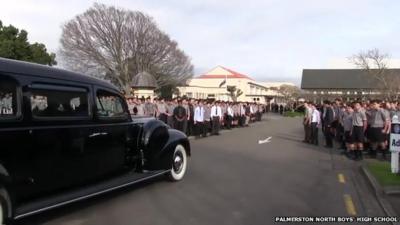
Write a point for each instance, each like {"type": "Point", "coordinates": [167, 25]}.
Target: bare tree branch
{"type": "Point", "coordinates": [375, 64]}
{"type": "Point", "coordinates": [116, 44]}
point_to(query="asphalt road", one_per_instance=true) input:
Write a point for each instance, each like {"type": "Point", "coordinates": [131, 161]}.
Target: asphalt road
{"type": "Point", "coordinates": [232, 179]}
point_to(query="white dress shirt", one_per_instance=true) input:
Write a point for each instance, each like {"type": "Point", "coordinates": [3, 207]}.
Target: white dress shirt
{"type": "Point", "coordinates": [216, 111]}
{"type": "Point", "coordinates": [229, 111]}
{"type": "Point", "coordinates": [315, 117]}
{"type": "Point", "coordinates": [198, 114]}
{"type": "Point", "coordinates": [242, 110]}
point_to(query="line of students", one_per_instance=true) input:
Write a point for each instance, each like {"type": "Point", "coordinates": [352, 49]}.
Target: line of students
{"type": "Point", "coordinates": [197, 117]}
{"type": "Point", "coordinates": [356, 126]}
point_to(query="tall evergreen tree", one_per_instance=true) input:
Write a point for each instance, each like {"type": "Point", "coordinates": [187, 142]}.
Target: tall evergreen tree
{"type": "Point", "coordinates": [14, 45]}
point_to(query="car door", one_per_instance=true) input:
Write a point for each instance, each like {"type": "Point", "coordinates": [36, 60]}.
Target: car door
{"type": "Point", "coordinates": [14, 139]}
{"type": "Point", "coordinates": [108, 139]}
{"type": "Point", "coordinates": [58, 127]}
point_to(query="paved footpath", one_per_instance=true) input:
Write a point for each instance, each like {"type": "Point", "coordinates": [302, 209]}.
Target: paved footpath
{"type": "Point", "coordinates": [232, 179]}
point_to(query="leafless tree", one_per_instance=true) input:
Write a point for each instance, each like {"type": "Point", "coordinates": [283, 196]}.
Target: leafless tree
{"type": "Point", "coordinates": [289, 92]}
{"type": "Point", "coordinates": [116, 44]}
{"type": "Point", "coordinates": [375, 63]}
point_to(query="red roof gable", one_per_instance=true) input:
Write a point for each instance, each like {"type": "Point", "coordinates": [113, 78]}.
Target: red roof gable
{"type": "Point", "coordinates": [231, 74]}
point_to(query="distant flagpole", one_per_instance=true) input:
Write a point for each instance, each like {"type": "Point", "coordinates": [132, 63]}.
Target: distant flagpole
{"type": "Point", "coordinates": [224, 81]}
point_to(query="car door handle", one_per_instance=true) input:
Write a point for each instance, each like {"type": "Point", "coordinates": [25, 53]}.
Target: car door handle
{"type": "Point", "coordinates": [98, 134]}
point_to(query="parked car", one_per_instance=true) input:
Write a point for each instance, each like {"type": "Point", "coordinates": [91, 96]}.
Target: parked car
{"type": "Point", "coordinates": [66, 137]}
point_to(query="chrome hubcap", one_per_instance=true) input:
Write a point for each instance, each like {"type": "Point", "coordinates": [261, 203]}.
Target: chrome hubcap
{"type": "Point", "coordinates": [178, 162]}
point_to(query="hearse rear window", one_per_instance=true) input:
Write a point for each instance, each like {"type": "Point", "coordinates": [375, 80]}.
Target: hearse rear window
{"type": "Point", "coordinates": [53, 103]}
{"type": "Point", "coordinates": [8, 98]}
{"type": "Point", "coordinates": [109, 105]}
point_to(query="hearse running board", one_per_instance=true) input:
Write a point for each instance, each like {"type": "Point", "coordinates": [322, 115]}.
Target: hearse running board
{"type": "Point", "coordinates": [84, 193]}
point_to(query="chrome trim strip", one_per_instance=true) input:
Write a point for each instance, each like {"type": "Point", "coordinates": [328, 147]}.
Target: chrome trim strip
{"type": "Point", "coordinates": [89, 196]}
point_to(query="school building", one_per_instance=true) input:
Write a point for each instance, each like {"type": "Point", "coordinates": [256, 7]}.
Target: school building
{"type": "Point", "coordinates": [347, 84]}
{"type": "Point", "coordinates": [214, 85]}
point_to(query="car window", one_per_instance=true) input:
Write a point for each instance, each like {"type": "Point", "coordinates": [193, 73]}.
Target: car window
{"type": "Point", "coordinates": [59, 103]}
{"type": "Point", "coordinates": [109, 105]}
{"type": "Point", "coordinates": [8, 98]}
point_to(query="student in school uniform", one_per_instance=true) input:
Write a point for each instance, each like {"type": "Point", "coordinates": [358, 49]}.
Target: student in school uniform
{"type": "Point", "coordinates": [207, 117]}
{"type": "Point", "coordinates": [162, 111]}
{"type": "Point", "coordinates": [358, 130]}
{"type": "Point", "coordinates": [247, 114]}
{"type": "Point", "coordinates": [307, 122]}
{"type": "Point", "coordinates": [190, 125]}
{"type": "Point", "coordinates": [170, 112]}
{"type": "Point", "coordinates": [328, 119]}
{"type": "Point", "coordinates": [149, 108]}
{"type": "Point", "coordinates": [198, 120]}
{"type": "Point", "coordinates": [140, 107]}
{"type": "Point", "coordinates": [315, 122]}
{"type": "Point", "coordinates": [185, 105]}
{"type": "Point", "coordinates": [216, 115]}
{"type": "Point", "coordinates": [347, 120]}
{"type": "Point", "coordinates": [180, 117]}
{"type": "Point", "coordinates": [229, 116]}
{"type": "Point", "coordinates": [378, 127]}
{"type": "Point", "coordinates": [388, 110]}
{"type": "Point", "coordinates": [242, 114]}
{"type": "Point", "coordinates": [235, 109]}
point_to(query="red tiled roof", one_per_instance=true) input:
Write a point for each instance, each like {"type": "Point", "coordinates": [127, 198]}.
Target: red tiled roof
{"type": "Point", "coordinates": [233, 74]}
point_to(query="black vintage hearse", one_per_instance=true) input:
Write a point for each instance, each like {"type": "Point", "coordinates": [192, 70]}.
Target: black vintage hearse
{"type": "Point", "coordinates": [65, 137]}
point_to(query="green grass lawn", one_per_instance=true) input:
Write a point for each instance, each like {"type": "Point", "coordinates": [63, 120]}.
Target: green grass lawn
{"type": "Point", "coordinates": [382, 172]}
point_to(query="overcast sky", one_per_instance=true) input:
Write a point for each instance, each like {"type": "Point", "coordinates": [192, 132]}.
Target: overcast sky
{"type": "Point", "coordinates": [270, 40]}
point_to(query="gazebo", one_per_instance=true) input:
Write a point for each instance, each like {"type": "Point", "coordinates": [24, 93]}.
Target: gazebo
{"type": "Point", "coordinates": [143, 85]}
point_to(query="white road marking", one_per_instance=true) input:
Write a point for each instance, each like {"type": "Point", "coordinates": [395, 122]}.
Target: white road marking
{"type": "Point", "coordinates": [267, 140]}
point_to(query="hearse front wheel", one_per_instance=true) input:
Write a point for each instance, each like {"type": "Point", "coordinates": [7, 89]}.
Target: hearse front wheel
{"type": "Point", "coordinates": [179, 164]}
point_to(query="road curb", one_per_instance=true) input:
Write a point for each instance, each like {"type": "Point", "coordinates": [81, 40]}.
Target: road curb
{"type": "Point", "coordinates": [379, 194]}
{"type": "Point", "coordinates": [392, 190]}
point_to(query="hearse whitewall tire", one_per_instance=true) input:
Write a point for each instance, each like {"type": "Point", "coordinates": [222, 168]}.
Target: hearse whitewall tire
{"type": "Point", "coordinates": [5, 206]}
{"type": "Point", "coordinates": [179, 164]}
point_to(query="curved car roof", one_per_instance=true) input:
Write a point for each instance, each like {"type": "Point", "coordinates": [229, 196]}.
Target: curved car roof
{"type": "Point", "coordinates": [33, 69]}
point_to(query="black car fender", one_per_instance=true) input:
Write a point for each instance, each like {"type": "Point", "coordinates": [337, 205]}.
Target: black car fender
{"type": "Point", "coordinates": [163, 158]}
{"type": "Point", "coordinates": [159, 142]}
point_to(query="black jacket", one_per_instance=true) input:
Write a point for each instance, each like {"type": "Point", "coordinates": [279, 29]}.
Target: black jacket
{"type": "Point", "coordinates": [329, 116]}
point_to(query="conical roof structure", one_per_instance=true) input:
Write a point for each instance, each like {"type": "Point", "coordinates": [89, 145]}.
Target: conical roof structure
{"type": "Point", "coordinates": [144, 80]}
